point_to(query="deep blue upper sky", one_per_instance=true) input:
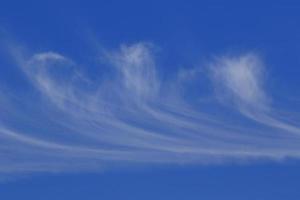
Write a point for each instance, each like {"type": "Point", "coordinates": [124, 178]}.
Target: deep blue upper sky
{"type": "Point", "coordinates": [186, 33]}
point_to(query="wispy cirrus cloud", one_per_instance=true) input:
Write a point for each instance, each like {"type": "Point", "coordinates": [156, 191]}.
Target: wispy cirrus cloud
{"type": "Point", "coordinates": [242, 79]}
{"type": "Point", "coordinates": [74, 122]}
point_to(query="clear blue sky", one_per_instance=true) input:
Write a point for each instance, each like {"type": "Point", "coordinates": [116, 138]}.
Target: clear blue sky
{"type": "Point", "coordinates": [149, 100]}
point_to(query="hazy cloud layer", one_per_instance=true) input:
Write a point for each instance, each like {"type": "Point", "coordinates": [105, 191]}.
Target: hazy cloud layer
{"type": "Point", "coordinates": [65, 120]}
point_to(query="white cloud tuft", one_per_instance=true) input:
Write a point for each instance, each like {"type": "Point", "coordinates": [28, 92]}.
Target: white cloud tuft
{"type": "Point", "coordinates": [242, 78]}
{"type": "Point", "coordinates": [137, 69]}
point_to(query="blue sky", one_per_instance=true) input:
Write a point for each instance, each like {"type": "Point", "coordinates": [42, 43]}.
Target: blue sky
{"type": "Point", "coordinates": [149, 100]}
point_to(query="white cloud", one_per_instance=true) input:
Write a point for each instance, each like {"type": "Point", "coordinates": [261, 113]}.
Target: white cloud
{"type": "Point", "coordinates": [241, 78]}
{"type": "Point", "coordinates": [79, 123]}
{"type": "Point", "coordinates": [48, 56]}
{"type": "Point", "coordinates": [137, 70]}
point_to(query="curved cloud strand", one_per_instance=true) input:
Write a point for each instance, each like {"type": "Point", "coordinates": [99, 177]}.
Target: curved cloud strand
{"type": "Point", "coordinates": [69, 121]}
